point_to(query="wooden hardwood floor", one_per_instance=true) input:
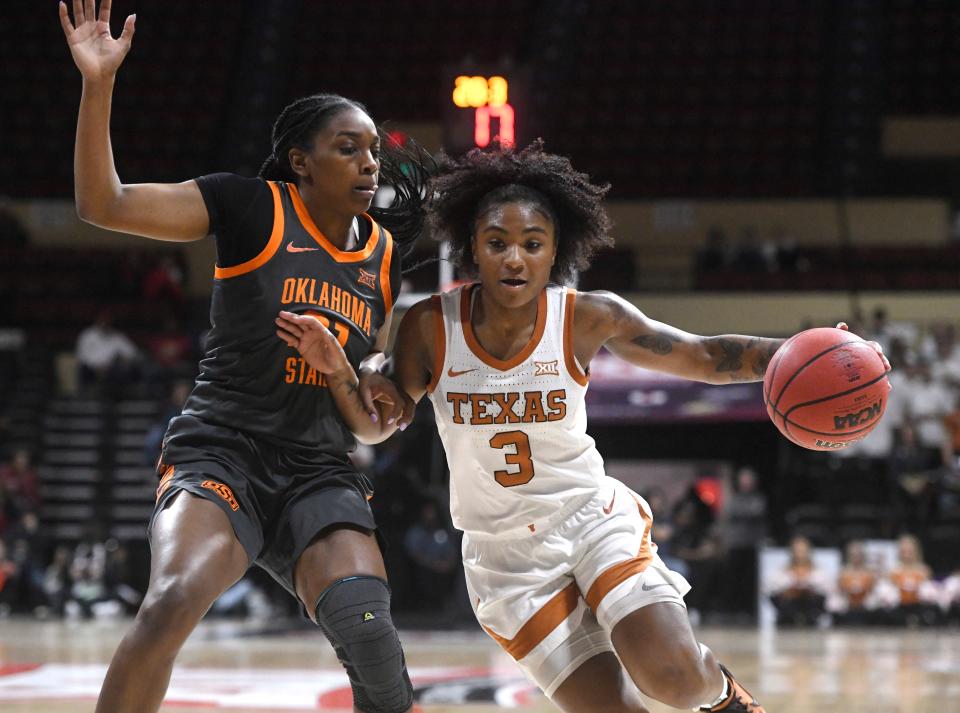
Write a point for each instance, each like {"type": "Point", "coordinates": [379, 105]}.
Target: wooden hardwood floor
{"type": "Point", "coordinates": [57, 667]}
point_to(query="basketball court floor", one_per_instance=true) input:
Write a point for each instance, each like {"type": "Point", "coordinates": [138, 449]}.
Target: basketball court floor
{"type": "Point", "coordinates": [57, 667]}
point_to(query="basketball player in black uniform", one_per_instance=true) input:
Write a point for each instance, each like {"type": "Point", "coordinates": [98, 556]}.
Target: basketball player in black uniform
{"type": "Point", "coordinates": [256, 468]}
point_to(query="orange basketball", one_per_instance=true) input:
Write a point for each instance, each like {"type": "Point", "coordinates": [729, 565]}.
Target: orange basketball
{"type": "Point", "coordinates": [825, 388]}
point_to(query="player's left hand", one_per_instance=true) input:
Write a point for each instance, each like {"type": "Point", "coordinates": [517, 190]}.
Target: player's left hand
{"type": "Point", "coordinates": [382, 396]}
{"type": "Point", "coordinates": [317, 345]}
{"type": "Point", "coordinates": [876, 345]}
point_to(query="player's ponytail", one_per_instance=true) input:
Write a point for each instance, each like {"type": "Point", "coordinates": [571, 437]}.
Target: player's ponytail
{"type": "Point", "coordinates": [270, 169]}
{"type": "Point", "coordinates": [407, 169]}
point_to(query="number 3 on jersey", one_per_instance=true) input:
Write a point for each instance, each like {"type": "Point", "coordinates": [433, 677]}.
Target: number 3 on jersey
{"type": "Point", "coordinates": [521, 457]}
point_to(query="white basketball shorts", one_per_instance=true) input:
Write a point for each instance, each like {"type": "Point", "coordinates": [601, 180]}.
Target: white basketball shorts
{"type": "Point", "coordinates": [551, 598]}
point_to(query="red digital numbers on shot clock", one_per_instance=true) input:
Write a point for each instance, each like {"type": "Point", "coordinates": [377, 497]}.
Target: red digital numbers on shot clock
{"type": "Point", "coordinates": [482, 106]}
{"type": "Point", "coordinates": [489, 98]}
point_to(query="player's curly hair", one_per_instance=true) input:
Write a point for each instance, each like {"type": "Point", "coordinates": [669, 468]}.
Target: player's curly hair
{"type": "Point", "coordinates": [466, 188]}
{"type": "Point", "coordinates": [406, 169]}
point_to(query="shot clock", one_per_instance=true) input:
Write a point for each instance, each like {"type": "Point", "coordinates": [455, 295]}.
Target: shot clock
{"type": "Point", "coordinates": [484, 105]}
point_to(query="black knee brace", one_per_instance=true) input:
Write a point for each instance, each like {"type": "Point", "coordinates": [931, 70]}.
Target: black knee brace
{"type": "Point", "coordinates": [354, 613]}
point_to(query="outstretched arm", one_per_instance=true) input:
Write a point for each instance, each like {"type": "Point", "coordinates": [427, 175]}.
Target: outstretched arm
{"type": "Point", "coordinates": [385, 410]}
{"type": "Point", "coordinates": [378, 407]}
{"type": "Point", "coordinates": [605, 319]}
{"type": "Point", "coordinates": [172, 211]}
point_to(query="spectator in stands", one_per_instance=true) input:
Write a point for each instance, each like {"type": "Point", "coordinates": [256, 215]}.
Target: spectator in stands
{"type": "Point", "coordinates": [119, 578]}
{"type": "Point", "coordinates": [695, 542]}
{"type": "Point", "coordinates": [27, 548]}
{"type": "Point", "coordinates": [748, 255]}
{"type": "Point", "coordinates": [854, 601]}
{"type": "Point", "coordinates": [105, 356]}
{"type": "Point", "coordinates": [130, 274]}
{"type": "Point", "coordinates": [950, 597]}
{"type": "Point", "coordinates": [788, 255]}
{"type": "Point", "coordinates": [89, 592]}
{"type": "Point", "coordinates": [880, 330]}
{"type": "Point", "coordinates": [244, 599]}
{"type": "Point", "coordinates": [743, 530]}
{"type": "Point", "coordinates": [8, 581]}
{"type": "Point", "coordinates": [163, 284]}
{"type": "Point", "coordinates": [909, 591]}
{"type": "Point", "coordinates": [926, 403]}
{"type": "Point", "coordinates": [18, 480]}
{"type": "Point", "coordinates": [951, 441]}
{"type": "Point", "coordinates": [799, 592]}
{"type": "Point", "coordinates": [435, 553]}
{"type": "Point", "coordinates": [944, 355]}
{"type": "Point", "coordinates": [663, 530]}
{"type": "Point", "coordinates": [917, 478]}
{"type": "Point", "coordinates": [171, 353]}
{"type": "Point", "coordinates": [713, 255]}
{"type": "Point", "coordinates": [56, 580]}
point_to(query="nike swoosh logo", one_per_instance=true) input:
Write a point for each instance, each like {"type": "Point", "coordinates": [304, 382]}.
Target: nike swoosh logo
{"type": "Point", "coordinates": [645, 588]}
{"type": "Point", "coordinates": [452, 373]}
{"type": "Point", "coordinates": [291, 248]}
{"type": "Point", "coordinates": [609, 509]}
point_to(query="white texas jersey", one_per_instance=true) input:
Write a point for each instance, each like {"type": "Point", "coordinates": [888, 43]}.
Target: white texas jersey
{"type": "Point", "coordinates": [514, 431]}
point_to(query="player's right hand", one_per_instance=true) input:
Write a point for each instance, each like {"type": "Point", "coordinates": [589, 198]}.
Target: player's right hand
{"type": "Point", "coordinates": [317, 345]}
{"type": "Point", "coordinates": [96, 53]}
{"type": "Point", "coordinates": [876, 346]}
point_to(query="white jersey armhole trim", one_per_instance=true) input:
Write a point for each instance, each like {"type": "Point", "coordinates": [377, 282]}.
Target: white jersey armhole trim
{"type": "Point", "coordinates": [576, 370]}
{"type": "Point", "coordinates": [439, 342]}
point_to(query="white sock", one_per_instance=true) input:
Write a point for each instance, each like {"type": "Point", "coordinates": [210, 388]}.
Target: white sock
{"type": "Point", "coordinates": [721, 698]}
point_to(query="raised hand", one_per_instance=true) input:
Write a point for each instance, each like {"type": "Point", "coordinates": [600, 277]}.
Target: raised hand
{"type": "Point", "coordinates": [317, 345]}
{"type": "Point", "coordinates": [96, 53]}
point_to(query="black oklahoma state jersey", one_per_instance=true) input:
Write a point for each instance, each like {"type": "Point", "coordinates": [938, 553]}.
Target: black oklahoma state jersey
{"type": "Point", "coordinates": [249, 378]}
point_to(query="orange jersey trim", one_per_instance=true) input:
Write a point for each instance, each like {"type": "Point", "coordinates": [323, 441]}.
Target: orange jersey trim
{"type": "Point", "coordinates": [276, 237]}
{"type": "Point", "coordinates": [335, 252]}
{"type": "Point", "coordinates": [539, 626]}
{"type": "Point", "coordinates": [385, 272]}
{"type": "Point", "coordinates": [483, 354]}
{"type": "Point", "coordinates": [439, 343]}
{"type": "Point", "coordinates": [619, 573]}
{"type": "Point", "coordinates": [569, 356]}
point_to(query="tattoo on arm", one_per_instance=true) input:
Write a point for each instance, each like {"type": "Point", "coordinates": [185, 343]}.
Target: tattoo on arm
{"type": "Point", "coordinates": [351, 386]}
{"type": "Point", "coordinates": [743, 359]}
{"type": "Point", "coordinates": [658, 342]}
{"type": "Point", "coordinates": [763, 359]}
{"type": "Point", "coordinates": [727, 354]}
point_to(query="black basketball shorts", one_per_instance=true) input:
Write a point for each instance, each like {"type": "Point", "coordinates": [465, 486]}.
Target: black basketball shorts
{"type": "Point", "coordinates": [277, 501]}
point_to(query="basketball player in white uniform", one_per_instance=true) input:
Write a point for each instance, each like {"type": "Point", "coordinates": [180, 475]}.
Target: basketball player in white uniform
{"type": "Point", "coordinates": [560, 566]}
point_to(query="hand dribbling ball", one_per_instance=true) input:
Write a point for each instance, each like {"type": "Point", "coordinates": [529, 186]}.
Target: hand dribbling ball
{"type": "Point", "coordinates": [825, 388]}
